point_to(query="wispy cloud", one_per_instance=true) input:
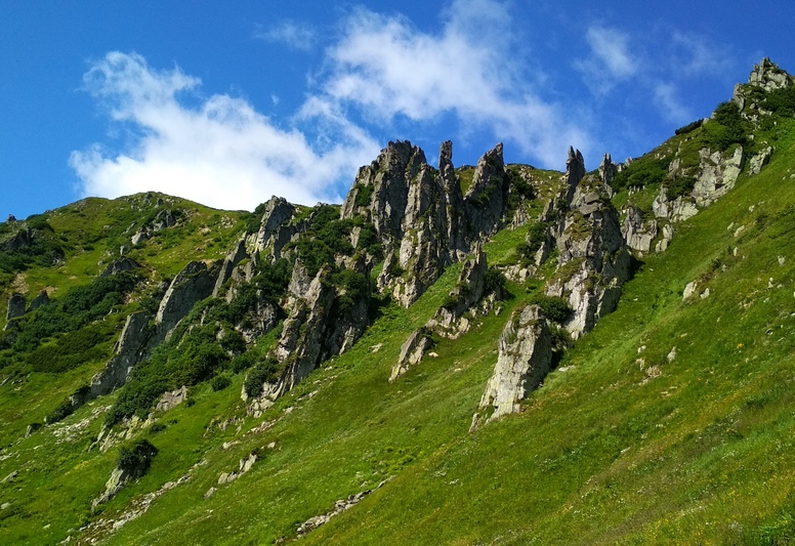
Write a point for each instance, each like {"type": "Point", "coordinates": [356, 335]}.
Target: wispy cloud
{"type": "Point", "coordinates": [667, 101]}
{"type": "Point", "coordinates": [295, 35]}
{"type": "Point", "coordinates": [609, 61]}
{"type": "Point", "coordinates": [387, 69]}
{"type": "Point", "coordinates": [222, 153]}
{"type": "Point", "coordinates": [694, 55]}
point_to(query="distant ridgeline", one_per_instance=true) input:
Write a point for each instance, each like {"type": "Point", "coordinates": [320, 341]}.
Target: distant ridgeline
{"type": "Point", "coordinates": [157, 295]}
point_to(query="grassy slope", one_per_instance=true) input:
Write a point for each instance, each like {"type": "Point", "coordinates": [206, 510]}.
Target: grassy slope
{"type": "Point", "coordinates": [602, 454]}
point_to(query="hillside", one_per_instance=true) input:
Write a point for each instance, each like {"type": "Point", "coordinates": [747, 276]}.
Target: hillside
{"type": "Point", "coordinates": [487, 355]}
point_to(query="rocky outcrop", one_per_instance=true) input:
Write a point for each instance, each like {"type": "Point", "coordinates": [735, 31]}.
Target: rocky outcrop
{"type": "Point", "coordinates": [237, 255]}
{"type": "Point", "coordinates": [524, 360]}
{"type": "Point", "coordinates": [607, 170]}
{"type": "Point", "coordinates": [164, 219]}
{"type": "Point", "coordinates": [718, 174]}
{"type": "Point", "coordinates": [130, 349]}
{"type": "Point", "coordinates": [593, 261]}
{"type": "Point", "coordinates": [120, 265]}
{"type": "Point", "coordinates": [575, 171]}
{"type": "Point", "coordinates": [243, 467]}
{"type": "Point", "coordinates": [757, 162]}
{"type": "Point", "coordinates": [421, 216]}
{"type": "Point", "coordinates": [450, 321]}
{"type": "Point", "coordinates": [16, 306]}
{"type": "Point", "coordinates": [676, 210]}
{"type": "Point", "coordinates": [380, 190]}
{"type": "Point", "coordinates": [487, 197]}
{"type": "Point", "coordinates": [191, 285]}
{"type": "Point", "coordinates": [301, 347]}
{"type": "Point", "coordinates": [172, 399]}
{"type": "Point", "coordinates": [39, 301]}
{"type": "Point", "coordinates": [638, 233]}
{"type": "Point", "coordinates": [276, 229]}
{"type": "Point", "coordinates": [133, 463]}
{"type": "Point", "coordinates": [412, 351]}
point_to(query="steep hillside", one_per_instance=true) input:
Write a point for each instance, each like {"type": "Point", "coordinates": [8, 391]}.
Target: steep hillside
{"type": "Point", "coordinates": [488, 355]}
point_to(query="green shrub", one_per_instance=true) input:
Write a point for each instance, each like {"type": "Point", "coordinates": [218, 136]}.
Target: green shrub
{"type": "Point", "coordinates": [681, 185]}
{"type": "Point", "coordinates": [690, 127]}
{"type": "Point", "coordinates": [555, 308]}
{"type": "Point", "coordinates": [64, 410]}
{"type": "Point", "coordinates": [267, 371]}
{"type": "Point", "coordinates": [136, 457]}
{"type": "Point", "coordinates": [645, 171]}
{"type": "Point", "coordinates": [726, 127]}
{"type": "Point", "coordinates": [781, 101]}
{"type": "Point", "coordinates": [220, 382]}
{"type": "Point", "coordinates": [364, 195]}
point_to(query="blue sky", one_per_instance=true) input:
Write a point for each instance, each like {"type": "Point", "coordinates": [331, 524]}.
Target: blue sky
{"type": "Point", "coordinates": [228, 103]}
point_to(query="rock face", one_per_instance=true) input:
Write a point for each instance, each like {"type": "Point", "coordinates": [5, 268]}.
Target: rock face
{"type": "Point", "coordinates": [638, 233]}
{"type": "Point", "coordinates": [758, 161]}
{"type": "Point", "coordinates": [301, 345]}
{"type": "Point", "coordinates": [275, 229]}
{"type": "Point", "coordinates": [718, 175]}
{"type": "Point", "coordinates": [231, 261]}
{"type": "Point", "coordinates": [412, 351]}
{"type": "Point", "coordinates": [16, 306]}
{"type": "Point", "coordinates": [525, 358]}
{"type": "Point", "coordinates": [421, 216]}
{"type": "Point", "coordinates": [449, 321]}
{"type": "Point", "coordinates": [191, 285]}
{"type": "Point", "coordinates": [593, 262]}
{"type": "Point", "coordinates": [129, 350]}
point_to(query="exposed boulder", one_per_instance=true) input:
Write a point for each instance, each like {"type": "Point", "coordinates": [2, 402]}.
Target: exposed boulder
{"type": "Point", "coordinates": [39, 301]}
{"type": "Point", "coordinates": [757, 162]}
{"type": "Point", "coordinates": [524, 360]}
{"type": "Point", "coordinates": [412, 351]}
{"type": "Point", "coordinates": [120, 265]}
{"type": "Point", "coordinates": [16, 306]}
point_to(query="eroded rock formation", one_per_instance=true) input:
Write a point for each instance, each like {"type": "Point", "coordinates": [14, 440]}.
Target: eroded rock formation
{"type": "Point", "coordinates": [525, 358]}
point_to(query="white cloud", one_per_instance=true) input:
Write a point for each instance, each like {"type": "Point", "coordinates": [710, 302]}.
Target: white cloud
{"type": "Point", "coordinates": [385, 68]}
{"type": "Point", "coordinates": [609, 61]}
{"type": "Point", "coordinates": [295, 35]}
{"type": "Point", "coordinates": [222, 153]}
